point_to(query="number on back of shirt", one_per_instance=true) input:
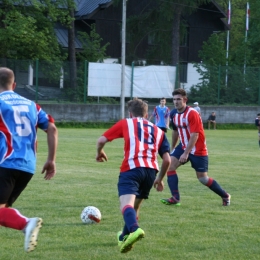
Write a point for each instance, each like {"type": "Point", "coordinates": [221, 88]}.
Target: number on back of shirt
{"type": "Point", "coordinates": [23, 126]}
{"type": "Point", "coordinates": [150, 139]}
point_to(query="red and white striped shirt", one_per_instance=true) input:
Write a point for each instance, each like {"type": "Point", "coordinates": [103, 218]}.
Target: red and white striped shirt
{"type": "Point", "coordinates": [142, 142]}
{"type": "Point", "coordinates": [189, 122]}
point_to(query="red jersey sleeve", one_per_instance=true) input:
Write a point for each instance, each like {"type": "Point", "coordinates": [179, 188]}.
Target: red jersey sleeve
{"type": "Point", "coordinates": [116, 131]}
{"type": "Point", "coordinates": [194, 122]}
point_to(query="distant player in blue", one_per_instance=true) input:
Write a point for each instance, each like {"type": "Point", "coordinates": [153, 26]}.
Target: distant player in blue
{"type": "Point", "coordinates": [161, 114]}
{"type": "Point", "coordinates": [19, 120]}
{"type": "Point", "coordinates": [257, 123]}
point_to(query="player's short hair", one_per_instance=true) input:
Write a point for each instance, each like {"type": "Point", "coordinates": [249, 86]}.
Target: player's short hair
{"type": "Point", "coordinates": [179, 91]}
{"type": "Point", "coordinates": [6, 77]}
{"type": "Point", "coordinates": [137, 107]}
{"type": "Point", "coordinates": [258, 114]}
{"type": "Point", "coordinates": [163, 98]}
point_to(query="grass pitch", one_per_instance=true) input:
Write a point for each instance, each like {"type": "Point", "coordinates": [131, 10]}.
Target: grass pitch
{"type": "Point", "coordinates": [201, 228]}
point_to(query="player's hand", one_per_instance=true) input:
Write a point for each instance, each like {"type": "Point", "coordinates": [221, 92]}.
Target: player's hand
{"type": "Point", "coordinates": [183, 159]}
{"type": "Point", "coordinates": [101, 157]}
{"type": "Point", "coordinates": [49, 168]}
{"type": "Point", "coordinates": [158, 185]}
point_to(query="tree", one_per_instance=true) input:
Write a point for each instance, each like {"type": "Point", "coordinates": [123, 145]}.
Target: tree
{"type": "Point", "coordinates": [91, 44]}
{"type": "Point", "coordinates": [162, 23]}
{"type": "Point", "coordinates": [232, 84]}
{"type": "Point", "coordinates": [27, 32]}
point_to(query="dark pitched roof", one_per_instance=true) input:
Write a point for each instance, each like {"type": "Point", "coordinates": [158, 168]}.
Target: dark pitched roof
{"type": "Point", "coordinates": [62, 36]}
{"type": "Point", "coordinates": [86, 8]}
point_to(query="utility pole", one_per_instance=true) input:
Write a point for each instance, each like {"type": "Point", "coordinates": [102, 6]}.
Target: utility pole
{"type": "Point", "coordinates": [122, 99]}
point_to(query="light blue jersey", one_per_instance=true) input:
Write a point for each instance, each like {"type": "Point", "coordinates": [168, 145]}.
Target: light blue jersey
{"type": "Point", "coordinates": [161, 114]}
{"type": "Point", "coordinates": [19, 119]}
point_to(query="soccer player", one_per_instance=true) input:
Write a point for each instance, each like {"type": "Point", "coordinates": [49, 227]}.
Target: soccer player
{"type": "Point", "coordinates": [161, 114]}
{"type": "Point", "coordinates": [188, 127]}
{"type": "Point", "coordinates": [196, 107]}
{"type": "Point", "coordinates": [142, 143]}
{"type": "Point", "coordinates": [19, 120]}
{"type": "Point", "coordinates": [257, 124]}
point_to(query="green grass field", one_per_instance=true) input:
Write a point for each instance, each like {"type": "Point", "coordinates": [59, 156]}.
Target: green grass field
{"type": "Point", "coordinates": [201, 228]}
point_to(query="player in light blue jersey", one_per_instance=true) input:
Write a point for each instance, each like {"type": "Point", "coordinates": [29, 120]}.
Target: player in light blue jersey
{"type": "Point", "coordinates": [19, 120]}
{"type": "Point", "coordinates": [161, 114]}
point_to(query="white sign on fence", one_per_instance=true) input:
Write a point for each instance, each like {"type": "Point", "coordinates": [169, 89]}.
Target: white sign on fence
{"type": "Point", "coordinates": [148, 81]}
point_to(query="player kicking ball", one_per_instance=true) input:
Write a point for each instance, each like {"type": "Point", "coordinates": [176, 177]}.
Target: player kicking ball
{"type": "Point", "coordinates": [143, 142]}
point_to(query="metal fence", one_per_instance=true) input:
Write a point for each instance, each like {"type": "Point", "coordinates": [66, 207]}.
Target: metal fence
{"type": "Point", "coordinates": [51, 81]}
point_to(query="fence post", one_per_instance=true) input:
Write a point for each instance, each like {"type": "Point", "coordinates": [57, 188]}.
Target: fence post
{"type": "Point", "coordinates": [85, 80]}
{"type": "Point", "coordinates": [36, 80]}
{"type": "Point", "coordinates": [177, 76]}
{"type": "Point", "coordinates": [132, 79]}
{"type": "Point", "coordinates": [218, 83]}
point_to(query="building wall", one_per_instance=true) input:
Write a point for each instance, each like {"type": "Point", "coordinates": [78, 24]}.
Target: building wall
{"type": "Point", "coordinates": [111, 113]}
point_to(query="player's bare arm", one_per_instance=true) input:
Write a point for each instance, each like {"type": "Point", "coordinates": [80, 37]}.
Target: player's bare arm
{"type": "Point", "coordinates": [167, 122]}
{"type": "Point", "coordinates": [49, 167]}
{"type": "Point", "coordinates": [101, 155]}
{"type": "Point", "coordinates": [175, 137]}
{"type": "Point", "coordinates": [158, 183]}
{"type": "Point", "coordinates": [191, 144]}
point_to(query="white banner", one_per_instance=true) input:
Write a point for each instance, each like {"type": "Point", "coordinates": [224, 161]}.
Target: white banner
{"type": "Point", "coordinates": [148, 81]}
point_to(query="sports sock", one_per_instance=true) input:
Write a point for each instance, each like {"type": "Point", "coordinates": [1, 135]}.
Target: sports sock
{"type": "Point", "coordinates": [129, 215]}
{"type": "Point", "coordinates": [172, 179]}
{"type": "Point", "coordinates": [124, 232]}
{"type": "Point", "coordinates": [12, 218]}
{"type": "Point", "coordinates": [214, 186]}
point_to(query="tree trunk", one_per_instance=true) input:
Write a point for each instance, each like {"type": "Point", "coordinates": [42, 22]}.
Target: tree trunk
{"type": "Point", "coordinates": [72, 54]}
{"type": "Point", "coordinates": [177, 10]}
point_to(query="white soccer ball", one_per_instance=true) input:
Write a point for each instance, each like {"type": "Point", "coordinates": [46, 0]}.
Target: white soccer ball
{"type": "Point", "coordinates": [90, 215]}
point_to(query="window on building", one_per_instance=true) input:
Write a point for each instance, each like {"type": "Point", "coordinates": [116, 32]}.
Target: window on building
{"type": "Point", "coordinates": [183, 70]}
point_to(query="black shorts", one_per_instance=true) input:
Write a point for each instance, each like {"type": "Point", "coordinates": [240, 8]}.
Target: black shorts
{"type": "Point", "coordinates": [12, 183]}
{"type": "Point", "coordinates": [163, 128]}
{"type": "Point", "coordinates": [138, 181]}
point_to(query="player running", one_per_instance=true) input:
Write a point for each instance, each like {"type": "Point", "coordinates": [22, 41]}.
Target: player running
{"type": "Point", "coordinates": [143, 141]}
{"type": "Point", "coordinates": [161, 114]}
{"type": "Point", "coordinates": [19, 119]}
{"type": "Point", "coordinates": [188, 127]}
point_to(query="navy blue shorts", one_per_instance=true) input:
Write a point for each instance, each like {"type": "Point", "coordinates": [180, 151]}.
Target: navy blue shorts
{"type": "Point", "coordinates": [12, 183]}
{"type": "Point", "coordinates": [198, 163]}
{"type": "Point", "coordinates": [138, 181]}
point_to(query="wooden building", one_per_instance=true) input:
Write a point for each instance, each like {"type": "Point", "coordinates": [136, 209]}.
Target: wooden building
{"type": "Point", "coordinates": [207, 19]}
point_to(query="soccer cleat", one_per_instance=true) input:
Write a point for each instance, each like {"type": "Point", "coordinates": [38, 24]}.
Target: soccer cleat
{"type": "Point", "coordinates": [131, 239]}
{"type": "Point", "coordinates": [120, 242]}
{"type": "Point", "coordinates": [171, 201]}
{"type": "Point", "coordinates": [226, 201]}
{"type": "Point", "coordinates": [31, 233]}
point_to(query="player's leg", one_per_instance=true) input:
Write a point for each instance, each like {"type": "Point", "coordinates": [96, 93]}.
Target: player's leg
{"type": "Point", "coordinates": [208, 124]}
{"type": "Point", "coordinates": [259, 138]}
{"type": "Point", "coordinates": [214, 124]}
{"type": "Point", "coordinates": [9, 192]}
{"type": "Point", "coordinates": [128, 186]}
{"type": "Point", "coordinates": [12, 183]}
{"type": "Point", "coordinates": [137, 206]}
{"type": "Point", "coordinates": [200, 164]}
{"type": "Point", "coordinates": [142, 180]}
{"type": "Point", "coordinates": [172, 178]}
{"type": "Point", "coordinates": [214, 186]}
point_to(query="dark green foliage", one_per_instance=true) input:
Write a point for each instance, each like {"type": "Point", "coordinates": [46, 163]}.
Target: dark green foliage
{"type": "Point", "coordinates": [92, 49]}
